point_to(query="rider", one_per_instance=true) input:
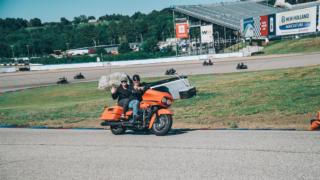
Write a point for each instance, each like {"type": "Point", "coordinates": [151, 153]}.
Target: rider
{"type": "Point", "coordinates": [123, 94]}
{"type": "Point", "coordinates": [136, 97]}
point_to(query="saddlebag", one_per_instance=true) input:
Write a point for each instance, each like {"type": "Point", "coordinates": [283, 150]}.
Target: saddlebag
{"type": "Point", "coordinates": [112, 113]}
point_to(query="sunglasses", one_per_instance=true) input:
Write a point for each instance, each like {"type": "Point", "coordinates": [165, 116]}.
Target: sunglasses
{"type": "Point", "coordinates": [123, 81]}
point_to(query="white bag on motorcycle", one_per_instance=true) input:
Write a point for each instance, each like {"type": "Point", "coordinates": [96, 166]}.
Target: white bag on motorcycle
{"type": "Point", "coordinates": [112, 80]}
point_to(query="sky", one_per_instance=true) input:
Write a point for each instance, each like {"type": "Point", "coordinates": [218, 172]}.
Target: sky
{"type": "Point", "coordinates": [53, 10]}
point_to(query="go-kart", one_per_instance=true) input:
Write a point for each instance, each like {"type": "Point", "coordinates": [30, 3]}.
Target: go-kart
{"type": "Point", "coordinates": [62, 80]}
{"type": "Point", "coordinates": [79, 76]}
{"type": "Point", "coordinates": [170, 71]}
{"type": "Point", "coordinates": [241, 66]}
{"type": "Point", "coordinates": [207, 63]}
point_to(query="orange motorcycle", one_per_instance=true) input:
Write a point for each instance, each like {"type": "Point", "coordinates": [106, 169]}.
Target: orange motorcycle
{"type": "Point", "coordinates": [154, 115]}
{"type": "Point", "coordinates": [315, 123]}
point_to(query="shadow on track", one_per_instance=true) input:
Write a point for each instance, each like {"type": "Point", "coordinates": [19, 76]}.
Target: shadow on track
{"type": "Point", "coordinates": [172, 132]}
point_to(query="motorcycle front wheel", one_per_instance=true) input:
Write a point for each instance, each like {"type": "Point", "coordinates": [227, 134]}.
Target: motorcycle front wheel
{"type": "Point", "coordinates": [162, 125]}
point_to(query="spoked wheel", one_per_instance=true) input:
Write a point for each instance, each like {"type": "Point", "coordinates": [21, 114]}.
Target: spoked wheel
{"type": "Point", "coordinates": [117, 130]}
{"type": "Point", "coordinates": [162, 125]}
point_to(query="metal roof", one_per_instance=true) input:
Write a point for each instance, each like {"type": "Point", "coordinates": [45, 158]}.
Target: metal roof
{"type": "Point", "coordinates": [227, 14]}
{"type": "Point", "coordinates": [305, 5]}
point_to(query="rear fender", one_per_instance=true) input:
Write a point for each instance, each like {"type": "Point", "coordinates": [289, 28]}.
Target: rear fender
{"type": "Point", "coordinates": [160, 112]}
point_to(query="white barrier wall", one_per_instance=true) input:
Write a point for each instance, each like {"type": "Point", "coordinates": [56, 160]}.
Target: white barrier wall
{"type": "Point", "coordinates": [7, 69]}
{"type": "Point", "coordinates": [135, 62]}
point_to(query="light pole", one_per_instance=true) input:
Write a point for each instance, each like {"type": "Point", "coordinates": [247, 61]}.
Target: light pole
{"type": "Point", "coordinates": [94, 42]}
{"type": "Point", "coordinates": [12, 48]}
{"type": "Point", "coordinates": [28, 50]}
{"type": "Point", "coordinates": [67, 45]}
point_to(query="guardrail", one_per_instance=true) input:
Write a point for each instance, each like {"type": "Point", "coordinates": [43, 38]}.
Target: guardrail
{"type": "Point", "coordinates": [13, 64]}
{"type": "Point", "coordinates": [13, 67]}
{"type": "Point", "coordinates": [134, 62]}
{"type": "Point", "coordinates": [39, 67]}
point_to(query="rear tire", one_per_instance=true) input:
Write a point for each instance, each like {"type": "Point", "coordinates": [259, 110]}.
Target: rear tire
{"type": "Point", "coordinates": [117, 130]}
{"type": "Point", "coordinates": [162, 125]}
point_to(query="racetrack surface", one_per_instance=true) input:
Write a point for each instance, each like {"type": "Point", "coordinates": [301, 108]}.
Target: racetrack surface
{"type": "Point", "coordinates": [23, 80]}
{"type": "Point", "coordinates": [194, 154]}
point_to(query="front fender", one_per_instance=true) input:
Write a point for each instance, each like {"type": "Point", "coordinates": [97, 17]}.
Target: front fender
{"type": "Point", "coordinates": [160, 112]}
{"type": "Point", "coordinates": [315, 125]}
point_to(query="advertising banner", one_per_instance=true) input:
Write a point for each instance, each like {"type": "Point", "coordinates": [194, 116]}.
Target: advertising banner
{"type": "Point", "coordinates": [264, 27]}
{"type": "Point", "coordinates": [206, 34]}
{"type": "Point", "coordinates": [182, 30]}
{"type": "Point", "coordinates": [248, 27]}
{"type": "Point", "coordinates": [296, 22]}
{"type": "Point", "coordinates": [272, 24]}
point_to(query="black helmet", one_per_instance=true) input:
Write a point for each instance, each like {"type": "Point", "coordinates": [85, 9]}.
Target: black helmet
{"type": "Point", "coordinates": [136, 77]}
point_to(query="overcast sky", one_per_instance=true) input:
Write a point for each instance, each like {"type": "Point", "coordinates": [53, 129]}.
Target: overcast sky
{"type": "Point", "coordinates": [53, 10]}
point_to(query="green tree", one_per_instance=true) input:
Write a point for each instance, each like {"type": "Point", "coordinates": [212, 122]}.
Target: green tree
{"type": "Point", "coordinates": [114, 28]}
{"type": "Point", "coordinates": [83, 19]}
{"type": "Point", "coordinates": [64, 21]}
{"type": "Point", "coordinates": [5, 50]}
{"type": "Point", "coordinates": [150, 45]}
{"type": "Point", "coordinates": [91, 18]}
{"type": "Point", "coordinates": [124, 47]}
{"type": "Point", "coordinates": [35, 22]}
{"type": "Point", "coordinates": [86, 36]}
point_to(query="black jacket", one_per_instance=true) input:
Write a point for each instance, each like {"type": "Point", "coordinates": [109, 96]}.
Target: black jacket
{"type": "Point", "coordinates": [122, 93]}
{"type": "Point", "coordinates": [137, 94]}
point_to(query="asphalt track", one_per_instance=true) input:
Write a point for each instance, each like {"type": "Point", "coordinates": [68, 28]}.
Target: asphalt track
{"type": "Point", "coordinates": [23, 80]}
{"type": "Point", "coordinates": [183, 154]}
{"type": "Point", "coordinates": [31, 154]}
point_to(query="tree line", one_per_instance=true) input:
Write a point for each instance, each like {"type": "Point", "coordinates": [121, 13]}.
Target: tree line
{"type": "Point", "coordinates": [20, 37]}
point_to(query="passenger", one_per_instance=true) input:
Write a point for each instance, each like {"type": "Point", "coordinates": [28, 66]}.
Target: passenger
{"type": "Point", "coordinates": [123, 94]}
{"type": "Point", "coordinates": [136, 97]}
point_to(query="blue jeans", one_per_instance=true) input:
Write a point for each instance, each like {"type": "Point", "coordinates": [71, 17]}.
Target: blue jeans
{"type": "Point", "coordinates": [134, 104]}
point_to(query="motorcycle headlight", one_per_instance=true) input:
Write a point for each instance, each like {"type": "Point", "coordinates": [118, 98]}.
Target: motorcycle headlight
{"type": "Point", "coordinates": [166, 101]}
{"type": "Point", "coordinates": [169, 102]}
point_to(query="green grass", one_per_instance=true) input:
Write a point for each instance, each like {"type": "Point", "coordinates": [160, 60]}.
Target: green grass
{"type": "Point", "coordinates": [235, 47]}
{"type": "Point", "coordinates": [287, 92]}
{"type": "Point", "coordinates": [277, 98]}
{"type": "Point", "coordinates": [303, 45]}
{"type": "Point", "coordinates": [70, 103]}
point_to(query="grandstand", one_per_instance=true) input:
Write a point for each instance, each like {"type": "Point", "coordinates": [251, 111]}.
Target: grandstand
{"type": "Point", "coordinates": [229, 14]}
{"type": "Point", "coordinates": [226, 17]}
{"type": "Point", "coordinates": [226, 14]}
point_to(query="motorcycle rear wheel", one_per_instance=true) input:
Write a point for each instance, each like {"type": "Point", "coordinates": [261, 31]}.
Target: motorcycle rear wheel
{"type": "Point", "coordinates": [117, 130]}
{"type": "Point", "coordinates": [162, 125]}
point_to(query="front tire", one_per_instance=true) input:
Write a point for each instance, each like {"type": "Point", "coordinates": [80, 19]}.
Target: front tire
{"type": "Point", "coordinates": [117, 130]}
{"type": "Point", "coordinates": [162, 125]}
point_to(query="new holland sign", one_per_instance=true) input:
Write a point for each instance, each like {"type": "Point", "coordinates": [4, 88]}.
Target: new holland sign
{"type": "Point", "coordinates": [296, 22]}
{"type": "Point", "coordinates": [206, 34]}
